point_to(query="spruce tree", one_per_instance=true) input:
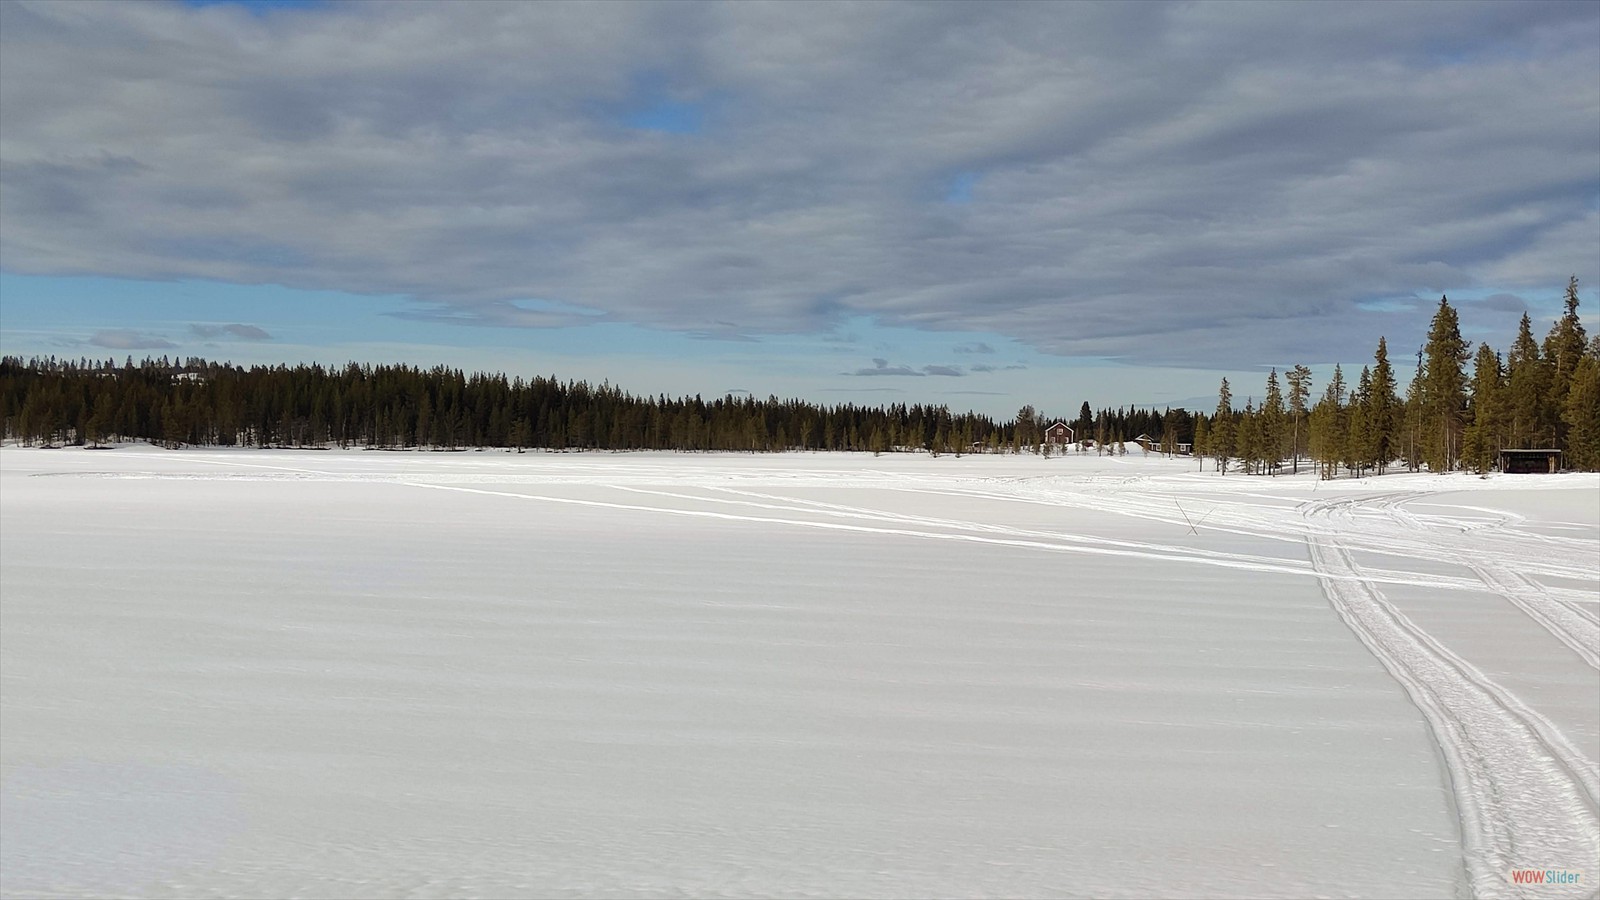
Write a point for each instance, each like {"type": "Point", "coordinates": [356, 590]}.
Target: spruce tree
{"type": "Point", "coordinates": [1383, 413]}
{"type": "Point", "coordinates": [1563, 351]}
{"type": "Point", "coordinates": [1273, 425]}
{"type": "Point", "coordinates": [1528, 391]}
{"type": "Point", "coordinates": [1358, 451]}
{"type": "Point", "coordinates": [1444, 390]}
{"type": "Point", "coordinates": [1481, 442]}
{"type": "Point", "coordinates": [1411, 431]}
{"type": "Point", "coordinates": [1251, 438]}
{"type": "Point", "coordinates": [1222, 431]}
{"type": "Point", "coordinates": [1581, 412]}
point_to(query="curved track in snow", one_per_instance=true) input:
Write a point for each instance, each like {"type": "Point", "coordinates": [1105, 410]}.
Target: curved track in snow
{"type": "Point", "coordinates": [1524, 792]}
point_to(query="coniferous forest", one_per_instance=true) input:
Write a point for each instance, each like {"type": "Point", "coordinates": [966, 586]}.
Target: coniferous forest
{"type": "Point", "coordinates": [1460, 408]}
{"type": "Point", "coordinates": [1536, 396]}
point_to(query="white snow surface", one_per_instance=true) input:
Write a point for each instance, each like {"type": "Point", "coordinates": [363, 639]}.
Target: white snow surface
{"type": "Point", "coordinates": [369, 674]}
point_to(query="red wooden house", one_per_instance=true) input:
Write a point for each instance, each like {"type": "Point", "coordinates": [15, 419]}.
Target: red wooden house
{"type": "Point", "coordinates": [1059, 433]}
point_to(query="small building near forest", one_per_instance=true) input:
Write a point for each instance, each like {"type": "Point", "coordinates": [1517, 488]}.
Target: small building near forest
{"type": "Point", "coordinates": [1059, 433]}
{"type": "Point", "coordinates": [1522, 462]}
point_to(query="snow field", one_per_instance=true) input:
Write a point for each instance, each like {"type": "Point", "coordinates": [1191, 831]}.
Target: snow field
{"type": "Point", "coordinates": [412, 674]}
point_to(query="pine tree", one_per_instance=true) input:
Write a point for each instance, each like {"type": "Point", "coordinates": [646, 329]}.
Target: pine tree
{"type": "Point", "coordinates": [1027, 428]}
{"type": "Point", "coordinates": [1202, 439]}
{"type": "Point", "coordinates": [1444, 390]}
{"type": "Point", "coordinates": [1299, 379]}
{"type": "Point", "coordinates": [1327, 431]}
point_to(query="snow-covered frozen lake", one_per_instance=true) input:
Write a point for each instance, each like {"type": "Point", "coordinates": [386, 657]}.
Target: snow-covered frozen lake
{"type": "Point", "coordinates": [351, 674]}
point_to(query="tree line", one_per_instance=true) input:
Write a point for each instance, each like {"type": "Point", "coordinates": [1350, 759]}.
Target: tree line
{"type": "Point", "coordinates": [199, 402]}
{"type": "Point", "coordinates": [1536, 396]}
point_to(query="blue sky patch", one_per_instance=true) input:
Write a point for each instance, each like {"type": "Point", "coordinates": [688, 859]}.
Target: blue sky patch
{"type": "Point", "coordinates": [651, 106]}
{"type": "Point", "coordinates": [260, 7]}
{"type": "Point", "coordinates": [670, 116]}
{"type": "Point", "coordinates": [960, 190]}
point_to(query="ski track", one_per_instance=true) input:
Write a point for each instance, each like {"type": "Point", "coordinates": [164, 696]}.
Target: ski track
{"type": "Point", "coordinates": [1565, 621]}
{"type": "Point", "coordinates": [1522, 790]}
{"type": "Point", "coordinates": [1018, 538]}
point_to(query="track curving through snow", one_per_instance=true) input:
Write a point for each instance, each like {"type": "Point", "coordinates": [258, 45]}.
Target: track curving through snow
{"type": "Point", "coordinates": [1525, 794]}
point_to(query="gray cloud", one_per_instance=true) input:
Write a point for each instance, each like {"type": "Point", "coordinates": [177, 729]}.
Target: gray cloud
{"type": "Point", "coordinates": [974, 347]}
{"type": "Point", "coordinates": [1188, 183]}
{"type": "Point", "coordinates": [986, 367]}
{"type": "Point", "coordinates": [233, 330]}
{"type": "Point", "coordinates": [731, 336]}
{"type": "Point", "coordinates": [1504, 303]}
{"type": "Point", "coordinates": [126, 339]}
{"type": "Point", "coordinates": [882, 367]}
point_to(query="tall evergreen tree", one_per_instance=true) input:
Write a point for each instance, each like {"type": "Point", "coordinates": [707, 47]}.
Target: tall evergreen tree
{"type": "Point", "coordinates": [1249, 438]}
{"type": "Point", "coordinates": [1027, 428]}
{"type": "Point", "coordinates": [1563, 351]}
{"type": "Point", "coordinates": [1383, 410]}
{"type": "Point", "coordinates": [1327, 432]}
{"type": "Point", "coordinates": [1221, 438]}
{"type": "Point", "coordinates": [1444, 389]}
{"type": "Point", "coordinates": [1481, 442]}
{"type": "Point", "coordinates": [1581, 412]}
{"type": "Point", "coordinates": [1528, 391]}
{"type": "Point", "coordinates": [1358, 449]}
{"type": "Point", "coordinates": [1299, 379]}
{"type": "Point", "coordinates": [1411, 431]}
{"type": "Point", "coordinates": [1272, 425]}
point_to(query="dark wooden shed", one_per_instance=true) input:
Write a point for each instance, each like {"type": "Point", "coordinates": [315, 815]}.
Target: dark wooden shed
{"type": "Point", "coordinates": [1523, 462]}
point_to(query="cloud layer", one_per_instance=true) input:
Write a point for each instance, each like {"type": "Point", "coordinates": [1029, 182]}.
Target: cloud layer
{"type": "Point", "coordinates": [128, 339]}
{"type": "Point", "coordinates": [1195, 184]}
{"type": "Point", "coordinates": [235, 331]}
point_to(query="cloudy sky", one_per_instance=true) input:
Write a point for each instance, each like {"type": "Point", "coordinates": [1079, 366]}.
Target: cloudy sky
{"type": "Point", "coordinates": [973, 204]}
